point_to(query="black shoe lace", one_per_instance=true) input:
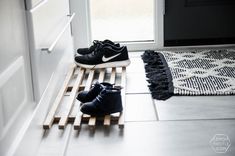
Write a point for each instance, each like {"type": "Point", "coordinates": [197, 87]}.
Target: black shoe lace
{"type": "Point", "coordinates": [99, 98]}
{"type": "Point", "coordinates": [96, 43]}
{"type": "Point", "coordinates": [103, 93]}
{"type": "Point", "coordinates": [94, 86]}
{"type": "Point", "coordinates": [97, 50]}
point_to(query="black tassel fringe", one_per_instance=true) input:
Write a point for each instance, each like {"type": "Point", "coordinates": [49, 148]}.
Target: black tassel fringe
{"type": "Point", "coordinates": [158, 75]}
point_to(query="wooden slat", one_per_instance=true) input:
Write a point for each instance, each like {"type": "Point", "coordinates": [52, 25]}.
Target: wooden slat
{"type": "Point", "coordinates": [123, 84]}
{"type": "Point", "coordinates": [92, 120]}
{"type": "Point", "coordinates": [101, 75]}
{"type": "Point", "coordinates": [64, 118]}
{"type": "Point", "coordinates": [86, 116]}
{"type": "Point", "coordinates": [63, 107]}
{"type": "Point", "coordinates": [89, 80]}
{"type": "Point", "coordinates": [76, 105]}
{"type": "Point", "coordinates": [77, 121]}
{"type": "Point", "coordinates": [75, 109]}
{"type": "Point", "coordinates": [107, 118]}
{"type": "Point", "coordinates": [76, 72]}
{"type": "Point", "coordinates": [78, 118]}
{"type": "Point", "coordinates": [113, 76]}
{"type": "Point", "coordinates": [50, 117]}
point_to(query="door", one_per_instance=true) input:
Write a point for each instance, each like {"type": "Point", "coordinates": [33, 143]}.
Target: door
{"type": "Point", "coordinates": [199, 22]}
{"type": "Point", "coordinates": [16, 98]}
{"type": "Point", "coordinates": [129, 22]}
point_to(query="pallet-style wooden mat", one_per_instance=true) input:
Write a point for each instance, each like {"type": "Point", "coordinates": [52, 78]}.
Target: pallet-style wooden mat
{"type": "Point", "coordinates": [66, 109]}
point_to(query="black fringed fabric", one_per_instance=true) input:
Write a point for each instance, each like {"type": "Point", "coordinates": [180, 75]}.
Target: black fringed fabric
{"type": "Point", "coordinates": [158, 75]}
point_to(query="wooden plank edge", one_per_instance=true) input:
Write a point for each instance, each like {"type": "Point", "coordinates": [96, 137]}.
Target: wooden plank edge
{"type": "Point", "coordinates": [107, 120]}
{"type": "Point", "coordinates": [92, 122]}
{"type": "Point", "coordinates": [77, 122]}
{"type": "Point", "coordinates": [64, 119]}
{"type": "Point", "coordinates": [121, 120]}
{"type": "Point", "coordinates": [50, 116]}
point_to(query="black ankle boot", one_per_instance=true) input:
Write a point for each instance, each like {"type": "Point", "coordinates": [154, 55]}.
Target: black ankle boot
{"type": "Point", "coordinates": [87, 96]}
{"type": "Point", "coordinates": [107, 102]}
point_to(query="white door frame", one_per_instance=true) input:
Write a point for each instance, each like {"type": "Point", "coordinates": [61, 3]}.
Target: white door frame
{"type": "Point", "coordinates": [81, 27]}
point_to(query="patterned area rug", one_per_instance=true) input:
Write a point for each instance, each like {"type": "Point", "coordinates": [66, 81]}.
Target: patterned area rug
{"type": "Point", "coordinates": [205, 72]}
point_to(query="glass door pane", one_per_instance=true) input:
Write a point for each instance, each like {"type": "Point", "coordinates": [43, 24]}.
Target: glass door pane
{"type": "Point", "coordinates": [122, 20]}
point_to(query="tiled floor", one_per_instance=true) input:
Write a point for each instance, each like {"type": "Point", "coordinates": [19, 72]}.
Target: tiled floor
{"type": "Point", "coordinates": [183, 138]}
{"type": "Point", "coordinates": [197, 108]}
{"type": "Point", "coordinates": [140, 108]}
{"type": "Point", "coordinates": [180, 126]}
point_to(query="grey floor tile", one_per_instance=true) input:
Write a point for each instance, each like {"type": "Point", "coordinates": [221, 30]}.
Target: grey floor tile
{"type": "Point", "coordinates": [182, 138]}
{"type": "Point", "coordinates": [136, 66]}
{"type": "Point", "coordinates": [135, 54]}
{"type": "Point", "coordinates": [54, 142]}
{"type": "Point", "coordinates": [139, 108]}
{"type": "Point", "coordinates": [196, 107]}
{"type": "Point", "coordinates": [136, 83]}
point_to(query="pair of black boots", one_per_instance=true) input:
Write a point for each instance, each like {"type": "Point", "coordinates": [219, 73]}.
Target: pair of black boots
{"type": "Point", "coordinates": [102, 54]}
{"type": "Point", "coordinates": [102, 99]}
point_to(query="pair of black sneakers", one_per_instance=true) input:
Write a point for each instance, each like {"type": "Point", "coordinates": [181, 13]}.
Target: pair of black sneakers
{"type": "Point", "coordinates": [102, 99]}
{"type": "Point", "coordinates": [102, 54]}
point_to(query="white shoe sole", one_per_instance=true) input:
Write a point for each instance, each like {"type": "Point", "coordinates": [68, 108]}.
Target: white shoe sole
{"type": "Point", "coordinates": [105, 65]}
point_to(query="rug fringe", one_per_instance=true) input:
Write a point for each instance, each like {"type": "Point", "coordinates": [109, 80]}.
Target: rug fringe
{"type": "Point", "coordinates": [158, 75]}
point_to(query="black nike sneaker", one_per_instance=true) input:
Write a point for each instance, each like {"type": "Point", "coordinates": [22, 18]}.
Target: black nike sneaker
{"type": "Point", "coordinates": [104, 57]}
{"type": "Point", "coordinates": [87, 96]}
{"type": "Point", "coordinates": [107, 102]}
{"type": "Point", "coordinates": [96, 44]}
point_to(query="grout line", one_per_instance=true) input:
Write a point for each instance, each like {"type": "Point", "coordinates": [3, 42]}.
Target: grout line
{"type": "Point", "coordinates": [155, 109]}
{"type": "Point", "coordinates": [68, 140]}
{"type": "Point", "coordinates": [189, 120]}
{"type": "Point", "coordinates": [137, 93]}
{"type": "Point", "coordinates": [141, 121]}
{"type": "Point", "coordinates": [198, 119]}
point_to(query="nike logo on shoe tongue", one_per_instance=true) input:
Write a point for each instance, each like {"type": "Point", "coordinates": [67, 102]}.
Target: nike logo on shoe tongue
{"type": "Point", "coordinates": [105, 59]}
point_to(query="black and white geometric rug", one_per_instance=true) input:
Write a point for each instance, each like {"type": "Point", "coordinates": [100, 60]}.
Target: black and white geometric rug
{"type": "Point", "coordinates": [205, 72]}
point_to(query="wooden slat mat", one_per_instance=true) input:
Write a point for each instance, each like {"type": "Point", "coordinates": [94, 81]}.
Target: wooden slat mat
{"type": "Point", "coordinates": [66, 109]}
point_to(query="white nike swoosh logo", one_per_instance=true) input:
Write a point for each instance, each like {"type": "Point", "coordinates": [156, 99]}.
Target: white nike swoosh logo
{"type": "Point", "coordinates": [105, 59]}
